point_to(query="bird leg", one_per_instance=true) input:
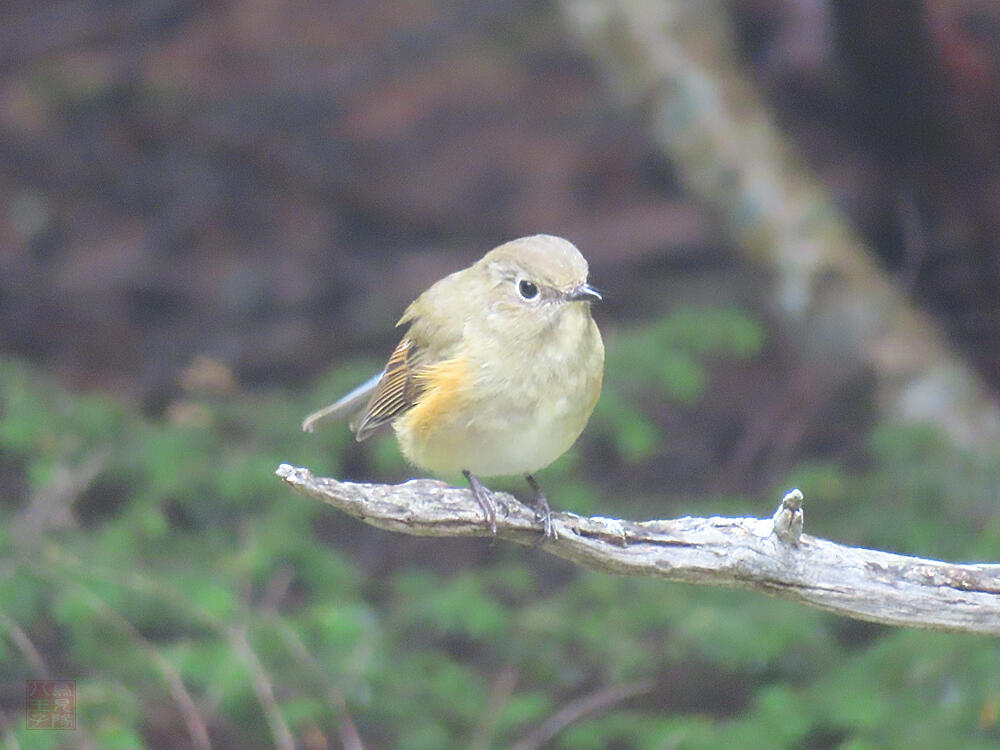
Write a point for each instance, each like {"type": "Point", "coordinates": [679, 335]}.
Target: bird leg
{"type": "Point", "coordinates": [542, 511]}
{"type": "Point", "coordinates": [484, 496]}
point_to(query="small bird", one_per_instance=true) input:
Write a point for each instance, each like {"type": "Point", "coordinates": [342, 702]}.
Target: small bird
{"type": "Point", "coordinates": [498, 373]}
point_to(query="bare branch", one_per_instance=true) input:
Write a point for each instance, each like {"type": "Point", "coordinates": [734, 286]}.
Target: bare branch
{"type": "Point", "coordinates": [185, 703]}
{"type": "Point", "coordinates": [262, 688]}
{"type": "Point", "coordinates": [500, 693]}
{"type": "Point", "coordinates": [350, 739]}
{"type": "Point", "coordinates": [577, 709]}
{"type": "Point", "coordinates": [41, 671]}
{"type": "Point", "coordinates": [26, 646]}
{"type": "Point", "coordinates": [769, 555]}
{"type": "Point", "coordinates": [7, 727]}
{"type": "Point", "coordinates": [50, 507]}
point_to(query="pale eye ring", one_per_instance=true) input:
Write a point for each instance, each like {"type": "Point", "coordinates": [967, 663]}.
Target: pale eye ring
{"type": "Point", "coordinates": [527, 289]}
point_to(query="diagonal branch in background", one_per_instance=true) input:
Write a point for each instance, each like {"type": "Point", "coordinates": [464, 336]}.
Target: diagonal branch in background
{"type": "Point", "coordinates": [769, 555]}
{"type": "Point", "coordinates": [678, 62]}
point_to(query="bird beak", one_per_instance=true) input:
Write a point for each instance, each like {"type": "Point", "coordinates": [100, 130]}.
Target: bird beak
{"type": "Point", "coordinates": [583, 293]}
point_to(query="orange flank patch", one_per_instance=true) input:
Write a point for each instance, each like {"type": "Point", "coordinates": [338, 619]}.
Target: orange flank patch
{"type": "Point", "coordinates": [445, 385]}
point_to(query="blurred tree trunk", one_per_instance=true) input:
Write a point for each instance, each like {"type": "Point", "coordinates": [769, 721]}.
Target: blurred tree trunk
{"type": "Point", "coordinates": [676, 61]}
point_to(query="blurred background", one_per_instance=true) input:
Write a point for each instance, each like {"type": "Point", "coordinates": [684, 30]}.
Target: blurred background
{"type": "Point", "coordinates": [211, 216]}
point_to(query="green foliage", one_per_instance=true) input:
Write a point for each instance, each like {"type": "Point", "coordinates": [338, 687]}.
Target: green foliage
{"type": "Point", "coordinates": [922, 496]}
{"type": "Point", "coordinates": [184, 541]}
{"type": "Point", "coordinates": [666, 359]}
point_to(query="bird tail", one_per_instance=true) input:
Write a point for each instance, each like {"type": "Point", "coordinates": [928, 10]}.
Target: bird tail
{"type": "Point", "coordinates": [343, 407]}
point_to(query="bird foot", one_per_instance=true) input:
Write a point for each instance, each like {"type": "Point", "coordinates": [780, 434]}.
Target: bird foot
{"type": "Point", "coordinates": [484, 496]}
{"type": "Point", "coordinates": [543, 512]}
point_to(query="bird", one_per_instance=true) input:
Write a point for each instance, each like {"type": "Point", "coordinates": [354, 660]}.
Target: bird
{"type": "Point", "coordinates": [497, 374]}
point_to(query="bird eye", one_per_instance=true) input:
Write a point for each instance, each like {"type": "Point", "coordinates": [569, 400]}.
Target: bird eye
{"type": "Point", "coordinates": [526, 289]}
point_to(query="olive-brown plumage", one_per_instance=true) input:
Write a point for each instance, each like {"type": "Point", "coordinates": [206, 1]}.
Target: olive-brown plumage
{"type": "Point", "coordinates": [499, 370]}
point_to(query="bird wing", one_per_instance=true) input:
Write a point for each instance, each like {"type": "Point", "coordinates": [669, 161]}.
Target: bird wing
{"type": "Point", "coordinates": [434, 332]}
{"type": "Point", "coordinates": [397, 391]}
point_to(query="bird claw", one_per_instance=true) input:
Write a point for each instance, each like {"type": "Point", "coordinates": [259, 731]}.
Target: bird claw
{"type": "Point", "coordinates": [543, 512]}
{"type": "Point", "coordinates": [488, 502]}
{"type": "Point", "coordinates": [484, 496]}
